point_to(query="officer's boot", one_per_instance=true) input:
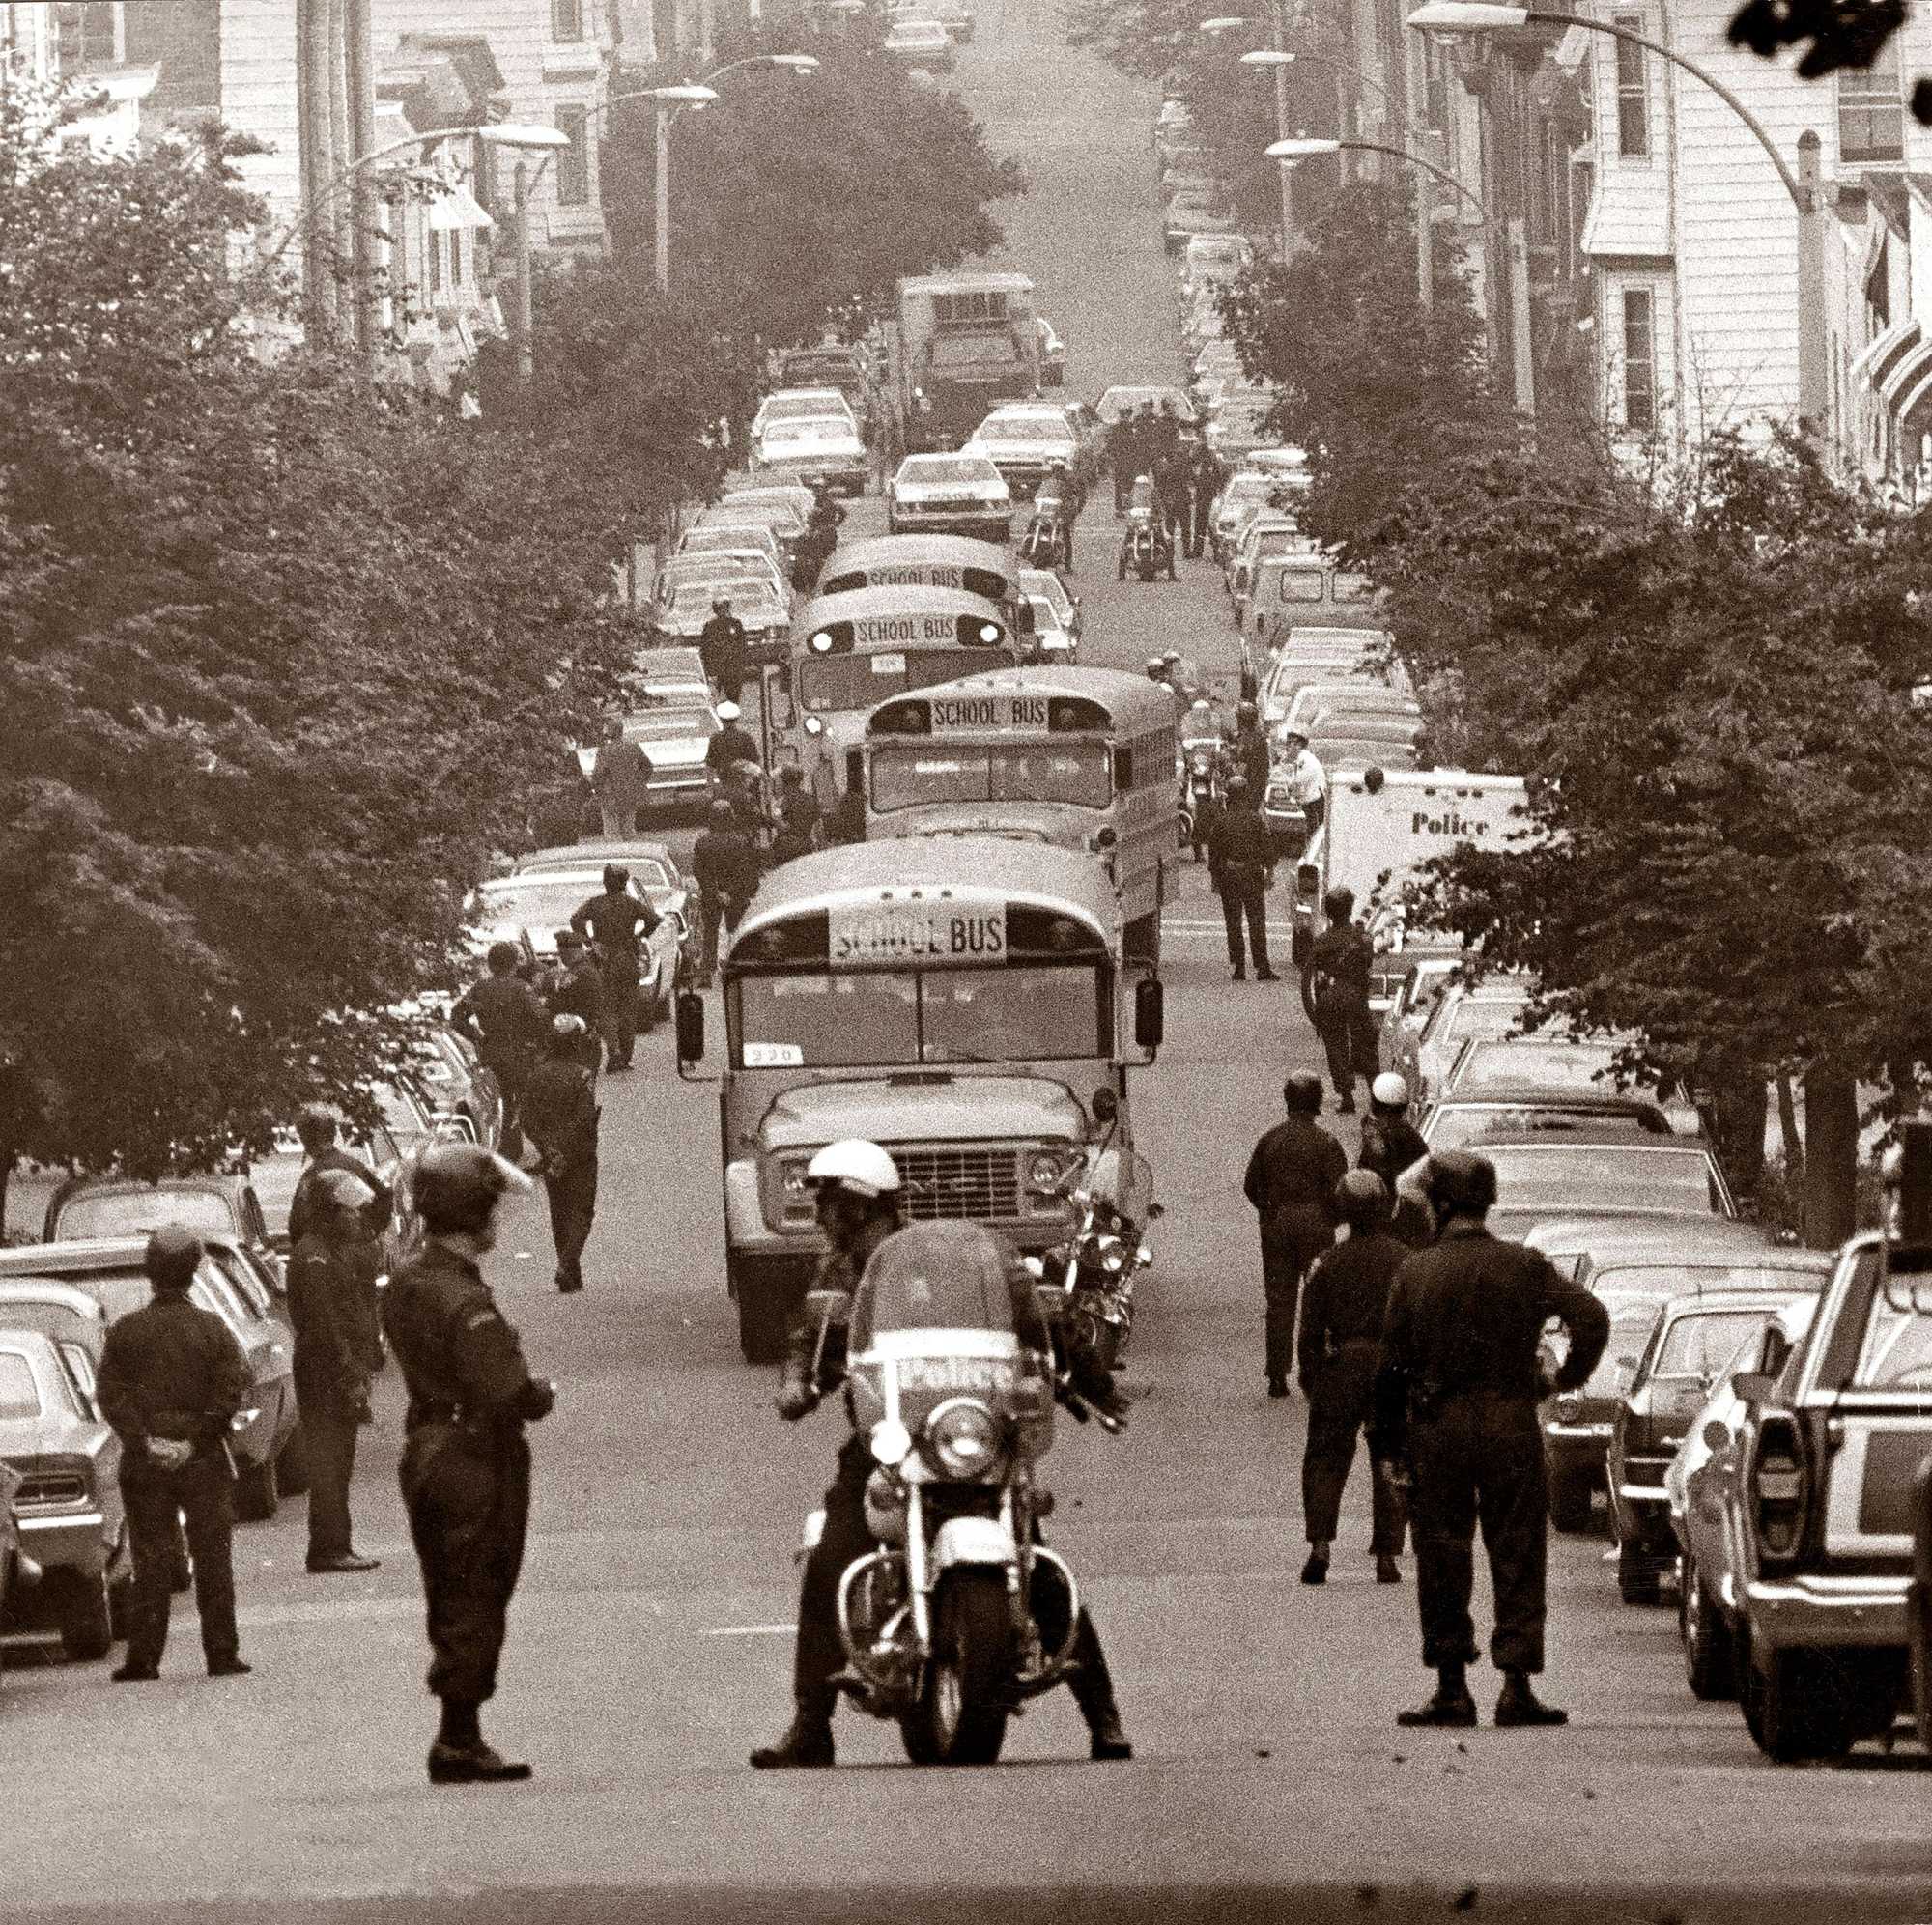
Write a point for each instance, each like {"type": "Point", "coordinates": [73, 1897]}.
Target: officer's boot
{"type": "Point", "coordinates": [1518, 1704]}
{"type": "Point", "coordinates": [1452, 1705]}
{"type": "Point", "coordinates": [807, 1744]}
{"type": "Point", "coordinates": [1092, 1686]}
{"type": "Point", "coordinates": [461, 1757]}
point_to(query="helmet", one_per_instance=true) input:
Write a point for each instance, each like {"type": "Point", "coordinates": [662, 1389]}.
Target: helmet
{"type": "Point", "coordinates": [344, 1190]}
{"type": "Point", "coordinates": [720, 604]}
{"type": "Point", "coordinates": [567, 1025]}
{"type": "Point", "coordinates": [1362, 1200]}
{"type": "Point", "coordinates": [1457, 1183]}
{"type": "Point", "coordinates": [853, 1165]}
{"type": "Point", "coordinates": [1302, 1093]}
{"type": "Point", "coordinates": [1200, 705]}
{"type": "Point", "coordinates": [459, 1184]}
{"type": "Point", "coordinates": [1169, 658]}
{"type": "Point", "coordinates": [1391, 1091]}
{"type": "Point", "coordinates": [728, 711]}
{"type": "Point", "coordinates": [1154, 665]}
{"type": "Point", "coordinates": [171, 1256]}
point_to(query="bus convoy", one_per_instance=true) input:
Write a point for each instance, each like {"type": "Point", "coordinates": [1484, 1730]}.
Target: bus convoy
{"type": "Point", "coordinates": [970, 985]}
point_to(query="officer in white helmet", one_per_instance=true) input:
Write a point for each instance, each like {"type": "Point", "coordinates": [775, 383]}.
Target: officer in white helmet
{"type": "Point", "coordinates": [856, 1190]}
{"type": "Point", "coordinates": [1390, 1145]}
{"type": "Point", "coordinates": [731, 745]}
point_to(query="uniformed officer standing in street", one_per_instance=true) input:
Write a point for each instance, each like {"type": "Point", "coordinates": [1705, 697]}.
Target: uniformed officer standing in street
{"type": "Point", "coordinates": [1456, 1401]}
{"type": "Point", "coordinates": [1240, 865]}
{"type": "Point", "coordinates": [614, 921]}
{"type": "Point", "coordinates": [332, 1276]}
{"type": "Point", "coordinates": [1342, 967]}
{"type": "Point", "coordinates": [577, 989]}
{"type": "Point", "coordinates": [560, 1115]}
{"type": "Point", "coordinates": [1291, 1181]}
{"type": "Point", "coordinates": [1390, 1145]}
{"type": "Point", "coordinates": [172, 1378]}
{"type": "Point", "coordinates": [465, 1467]}
{"type": "Point", "coordinates": [317, 1126]}
{"type": "Point", "coordinates": [1343, 1310]}
{"type": "Point", "coordinates": [506, 1020]}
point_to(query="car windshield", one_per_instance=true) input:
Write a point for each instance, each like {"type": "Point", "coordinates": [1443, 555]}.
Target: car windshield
{"type": "Point", "coordinates": [1701, 1344]}
{"type": "Point", "coordinates": [1895, 1349]}
{"type": "Point", "coordinates": [1582, 1177]}
{"type": "Point", "coordinates": [748, 598]}
{"type": "Point", "coordinates": [116, 1292]}
{"type": "Point", "coordinates": [1455, 1124]}
{"type": "Point", "coordinates": [1631, 1327]}
{"type": "Point", "coordinates": [1484, 1017]}
{"type": "Point", "coordinates": [130, 1213]}
{"type": "Point", "coordinates": [57, 1320]}
{"type": "Point", "coordinates": [1022, 428]}
{"type": "Point", "coordinates": [904, 1016]}
{"type": "Point", "coordinates": [1557, 1064]}
{"type": "Point", "coordinates": [948, 474]}
{"type": "Point", "coordinates": [905, 776]}
{"type": "Point", "coordinates": [19, 1394]}
{"type": "Point", "coordinates": [541, 902]}
{"type": "Point", "coordinates": [838, 684]}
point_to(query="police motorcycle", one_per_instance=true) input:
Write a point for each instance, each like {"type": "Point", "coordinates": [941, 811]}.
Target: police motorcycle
{"type": "Point", "coordinates": [1145, 548]}
{"type": "Point", "coordinates": [1204, 775]}
{"type": "Point", "coordinates": [960, 1614]}
{"type": "Point", "coordinates": [1093, 1271]}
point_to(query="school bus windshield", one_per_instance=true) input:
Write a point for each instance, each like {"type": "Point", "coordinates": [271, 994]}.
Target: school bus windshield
{"type": "Point", "coordinates": [877, 1017]}
{"type": "Point", "coordinates": [908, 775]}
{"type": "Point", "coordinates": [839, 683]}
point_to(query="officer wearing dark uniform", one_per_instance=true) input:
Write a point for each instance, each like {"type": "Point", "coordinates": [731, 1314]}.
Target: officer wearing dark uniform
{"type": "Point", "coordinates": [1250, 751]}
{"type": "Point", "coordinates": [332, 1275]}
{"type": "Point", "coordinates": [1291, 1181]}
{"type": "Point", "coordinates": [1390, 1145]}
{"type": "Point", "coordinates": [724, 860]}
{"type": "Point", "coordinates": [1456, 1401]}
{"type": "Point", "coordinates": [731, 746]}
{"type": "Point", "coordinates": [560, 1113]}
{"type": "Point", "coordinates": [1342, 964]}
{"type": "Point", "coordinates": [856, 1186]}
{"type": "Point", "coordinates": [577, 990]}
{"type": "Point", "coordinates": [465, 1467]}
{"type": "Point", "coordinates": [1343, 1310]}
{"type": "Point", "coordinates": [172, 1378]}
{"type": "Point", "coordinates": [721, 646]}
{"type": "Point", "coordinates": [1240, 865]}
{"type": "Point", "coordinates": [798, 806]}
{"type": "Point", "coordinates": [317, 1127]}
{"type": "Point", "coordinates": [506, 1020]}
{"type": "Point", "coordinates": [614, 921]}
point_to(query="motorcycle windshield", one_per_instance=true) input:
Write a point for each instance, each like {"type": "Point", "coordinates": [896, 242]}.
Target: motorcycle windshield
{"type": "Point", "coordinates": [933, 1276]}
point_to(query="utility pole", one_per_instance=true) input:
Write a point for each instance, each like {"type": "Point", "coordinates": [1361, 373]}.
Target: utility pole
{"type": "Point", "coordinates": [1521, 324]}
{"type": "Point", "coordinates": [1813, 406]}
{"type": "Point", "coordinates": [662, 234]}
{"type": "Point", "coordinates": [1425, 239]}
{"type": "Point", "coordinates": [361, 83]}
{"type": "Point", "coordinates": [526, 350]}
{"type": "Point", "coordinates": [1281, 130]}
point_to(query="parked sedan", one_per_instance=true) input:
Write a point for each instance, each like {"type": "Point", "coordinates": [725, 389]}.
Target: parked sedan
{"type": "Point", "coordinates": [1581, 1169]}
{"type": "Point", "coordinates": [763, 608]}
{"type": "Point", "coordinates": [1462, 1010]}
{"type": "Point", "coordinates": [1459, 1116]}
{"type": "Point", "coordinates": [230, 1284]}
{"type": "Point", "coordinates": [67, 1502]}
{"type": "Point", "coordinates": [454, 1081]}
{"type": "Point", "coordinates": [675, 731]}
{"type": "Point", "coordinates": [923, 44]}
{"type": "Point", "coordinates": [1047, 583]}
{"type": "Point", "coordinates": [653, 868]}
{"type": "Point", "coordinates": [815, 450]}
{"type": "Point", "coordinates": [222, 1203]}
{"type": "Point", "coordinates": [1695, 1337]}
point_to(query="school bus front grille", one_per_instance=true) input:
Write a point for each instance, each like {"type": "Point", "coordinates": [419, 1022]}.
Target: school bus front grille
{"type": "Point", "coordinates": [978, 1183]}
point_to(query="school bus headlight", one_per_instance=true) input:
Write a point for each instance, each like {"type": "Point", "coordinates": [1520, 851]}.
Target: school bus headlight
{"type": "Point", "coordinates": [820, 643]}
{"type": "Point", "coordinates": [989, 632]}
{"type": "Point", "coordinates": [1046, 1174]}
{"type": "Point", "coordinates": [813, 726]}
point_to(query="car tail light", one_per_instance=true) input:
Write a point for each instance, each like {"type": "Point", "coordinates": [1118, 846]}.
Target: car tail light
{"type": "Point", "coordinates": [55, 1483]}
{"type": "Point", "coordinates": [1780, 1488]}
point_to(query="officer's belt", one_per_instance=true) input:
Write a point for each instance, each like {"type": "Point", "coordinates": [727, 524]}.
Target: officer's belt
{"type": "Point", "coordinates": [434, 1413]}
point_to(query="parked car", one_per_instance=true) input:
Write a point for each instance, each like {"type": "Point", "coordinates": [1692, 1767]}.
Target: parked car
{"type": "Point", "coordinates": [1489, 1009]}
{"type": "Point", "coordinates": [224, 1203]}
{"type": "Point", "coordinates": [653, 869]}
{"type": "Point", "coordinates": [455, 1082]}
{"type": "Point", "coordinates": [66, 1504]}
{"type": "Point", "coordinates": [1046, 583]}
{"type": "Point", "coordinates": [230, 1283]}
{"type": "Point", "coordinates": [1559, 1167]}
{"type": "Point", "coordinates": [1701, 1485]}
{"type": "Point", "coordinates": [1050, 642]}
{"type": "Point", "coordinates": [920, 43]}
{"type": "Point", "coordinates": [820, 449]}
{"type": "Point", "coordinates": [1696, 1336]}
{"type": "Point", "coordinates": [1458, 1117]}
{"type": "Point", "coordinates": [760, 604]}
{"type": "Point", "coordinates": [19, 1574]}
{"type": "Point", "coordinates": [802, 404]}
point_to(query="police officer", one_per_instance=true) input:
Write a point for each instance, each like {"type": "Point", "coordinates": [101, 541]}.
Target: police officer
{"type": "Point", "coordinates": [1343, 1310]}
{"type": "Point", "coordinates": [316, 1125]}
{"type": "Point", "coordinates": [721, 646]}
{"type": "Point", "coordinates": [857, 1191]}
{"type": "Point", "coordinates": [560, 1113]}
{"type": "Point", "coordinates": [1250, 749]}
{"type": "Point", "coordinates": [577, 989]}
{"type": "Point", "coordinates": [465, 1466]}
{"type": "Point", "coordinates": [1291, 1181]}
{"type": "Point", "coordinates": [1455, 1399]}
{"type": "Point", "coordinates": [799, 809]}
{"type": "Point", "coordinates": [620, 779]}
{"type": "Point", "coordinates": [172, 1378]}
{"type": "Point", "coordinates": [506, 1020]}
{"type": "Point", "coordinates": [733, 747]}
{"type": "Point", "coordinates": [1240, 866]}
{"type": "Point", "coordinates": [333, 1275]}
{"type": "Point", "coordinates": [1390, 1145]}
{"type": "Point", "coordinates": [724, 860]}
{"type": "Point", "coordinates": [614, 921]}
{"type": "Point", "coordinates": [1342, 966]}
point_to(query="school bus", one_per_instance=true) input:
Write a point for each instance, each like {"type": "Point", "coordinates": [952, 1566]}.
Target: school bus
{"type": "Point", "coordinates": [961, 1002]}
{"type": "Point", "coordinates": [1079, 757]}
{"type": "Point", "coordinates": [922, 561]}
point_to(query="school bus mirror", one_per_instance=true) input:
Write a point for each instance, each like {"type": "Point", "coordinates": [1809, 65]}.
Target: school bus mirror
{"type": "Point", "coordinates": [1149, 1012]}
{"type": "Point", "coordinates": [690, 1027]}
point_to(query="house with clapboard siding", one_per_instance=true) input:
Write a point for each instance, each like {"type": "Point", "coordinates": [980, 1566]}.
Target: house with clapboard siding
{"type": "Point", "coordinates": [84, 49]}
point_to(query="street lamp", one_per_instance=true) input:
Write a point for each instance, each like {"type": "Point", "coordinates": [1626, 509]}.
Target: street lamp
{"type": "Point", "coordinates": [1473, 17]}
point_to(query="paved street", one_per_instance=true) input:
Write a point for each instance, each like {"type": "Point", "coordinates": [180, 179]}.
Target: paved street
{"type": "Point", "coordinates": [650, 1645]}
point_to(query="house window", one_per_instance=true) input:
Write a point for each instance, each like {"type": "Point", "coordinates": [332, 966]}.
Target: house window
{"type": "Point", "coordinates": [1632, 93]}
{"type": "Point", "coordinates": [1640, 359]}
{"type": "Point", "coordinates": [87, 38]}
{"type": "Point", "coordinates": [1871, 110]}
{"type": "Point", "coordinates": [435, 262]}
{"type": "Point", "coordinates": [566, 19]}
{"type": "Point", "coordinates": [1435, 84]}
{"type": "Point", "coordinates": [572, 162]}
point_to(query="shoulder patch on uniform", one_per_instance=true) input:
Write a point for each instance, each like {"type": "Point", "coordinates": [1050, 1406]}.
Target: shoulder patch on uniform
{"type": "Point", "coordinates": [479, 1317]}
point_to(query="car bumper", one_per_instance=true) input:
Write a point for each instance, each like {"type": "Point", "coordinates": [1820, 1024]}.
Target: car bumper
{"type": "Point", "coordinates": [678, 785]}
{"type": "Point", "coordinates": [1575, 1449]}
{"type": "Point", "coordinates": [1819, 1612]}
{"type": "Point", "coordinates": [70, 1541]}
{"type": "Point", "coordinates": [986, 524]}
{"type": "Point", "coordinates": [847, 476]}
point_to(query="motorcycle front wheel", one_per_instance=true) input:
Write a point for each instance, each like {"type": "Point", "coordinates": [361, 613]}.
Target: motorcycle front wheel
{"type": "Point", "coordinates": [961, 1714]}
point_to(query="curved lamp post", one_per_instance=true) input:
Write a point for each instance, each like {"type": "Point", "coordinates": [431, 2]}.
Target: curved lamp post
{"type": "Point", "coordinates": [1476, 17]}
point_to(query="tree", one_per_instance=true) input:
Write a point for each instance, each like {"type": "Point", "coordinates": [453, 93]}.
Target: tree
{"type": "Point", "coordinates": [278, 666]}
{"type": "Point", "coordinates": [795, 204]}
{"type": "Point", "coordinates": [1835, 34]}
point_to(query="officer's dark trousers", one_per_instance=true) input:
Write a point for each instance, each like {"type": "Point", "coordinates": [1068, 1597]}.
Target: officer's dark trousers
{"type": "Point", "coordinates": [1247, 899]}
{"type": "Point", "coordinates": [1478, 1460]}
{"type": "Point", "coordinates": [1355, 1048]}
{"type": "Point", "coordinates": [1198, 504]}
{"type": "Point", "coordinates": [715, 912]}
{"type": "Point", "coordinates": [202, 1493]}
{"type": "Point", "coordinates": [620, 1009]}
{"type": "Point", "coordinates": [1290, 1241]}
{"type": "Point", "coordinates": [573, 1207]}
{"type": "Point", "coordinates": [845, 1539]}
{"type": "Point", "coordinates": [469, 1500]}
{"type": "Point", "coordinates": [329, 1425]}
{"type": "Point", "coordinates": [1341, 1400]}
{"type": "Point", "coordinates": [510, 1079]}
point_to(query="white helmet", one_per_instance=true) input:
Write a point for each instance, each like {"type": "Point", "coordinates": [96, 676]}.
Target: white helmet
{"type": "Point", "coordinates": [1391, 1091]}
{"type": "Point", "coordinates": [853, 1164]}
{"type": "Point", "coordinates": [728, 711]}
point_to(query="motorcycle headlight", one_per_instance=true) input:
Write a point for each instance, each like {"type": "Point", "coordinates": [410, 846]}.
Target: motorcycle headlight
{"type": "Point", "coordinates": [1112, 1256]}
{"type": "Point", "coordinates": [964, 1437]}
{"type": "Point", "coordinates": [891, 1441]}
{"type": "Point", "coordinates": [814, 726]}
